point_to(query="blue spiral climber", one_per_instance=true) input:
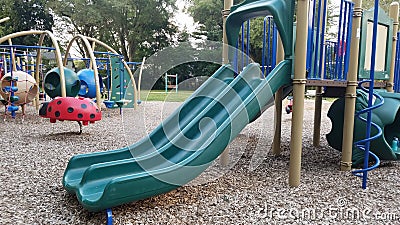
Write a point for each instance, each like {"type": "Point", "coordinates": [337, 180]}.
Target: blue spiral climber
{"type": "Point", "coordinates": [365, 143]}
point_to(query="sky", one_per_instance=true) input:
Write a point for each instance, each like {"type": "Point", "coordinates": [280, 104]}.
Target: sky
{"type": "Point", "coordinates": [183, 19]}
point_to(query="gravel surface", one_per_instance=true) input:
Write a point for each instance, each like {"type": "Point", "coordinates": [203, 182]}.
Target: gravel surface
{"type": "Point", "coordinates": [253, 189]}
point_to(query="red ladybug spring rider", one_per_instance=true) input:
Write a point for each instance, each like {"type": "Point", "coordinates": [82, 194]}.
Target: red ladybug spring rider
{"type": "Point", "coordinates": [82, 110]}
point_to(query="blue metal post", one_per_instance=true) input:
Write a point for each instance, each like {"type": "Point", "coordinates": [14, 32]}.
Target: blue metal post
{"type": "Point", "coordinates": [269, 46]}
{"type": "Point", "coordinates": [12, 94]}
{"type": "Point", "coordinates": [121, 84]}
{"type": "Point", "coordinates": [310, 42]}
{"type": "Point", "coordinates": [109, 217]}
{"type": "Point", "coordinates": [274, 45]}
{"type": "Point", "coordinates": [348, 39]}
{"type": "Point", "coordinates": [371, 93]}
{"type": "Point", "coordinates": [248, 43]}
{"type": "Point", "coordinates": [263, 46]}
{"type": "Point", "coordinates": [108, 79]}
{"type": "Point", "coordinates": [242, 47]}
{"type": "Point", "coordinates": [321, 58]}
{"type": "Point", "coordinates": [343, 44]}
{"type": "Point", "coordinates": [317, 43]}
{"type": "Point", "coordinates": [339, 43]}
{"type": "Point", "coordinates": [397, 66]}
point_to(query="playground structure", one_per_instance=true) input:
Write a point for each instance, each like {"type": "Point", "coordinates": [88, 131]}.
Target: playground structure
{"type": "Point", "coordinates": [28, 87]}
{"type": "Point", "coordinates": [327, 68]}
{"type": "Point", "coordinates": [19, 88]}
{"type": "Point", "coordinates": [115, 84]}
{"type": "Point", "coordinates": [171, 82]}
{"type": "Point", "coordinates": [158, 164]}
{"type": "Point", "coordinates": [163, 161]}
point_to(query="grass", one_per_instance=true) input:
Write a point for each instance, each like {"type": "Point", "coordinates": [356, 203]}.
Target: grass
{"type": "Point", "coordinates": [160, 95]}
{"type": "Point", "coordinates": [172, 96]}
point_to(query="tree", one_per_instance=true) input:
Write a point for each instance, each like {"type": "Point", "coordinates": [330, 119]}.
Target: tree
{"type": "Point", "coordinates": [25, 15]}
{"type": "Point", "coordinates": [135, 28]}
{"type": "Point", "coordinates": [208, 14]}
{"type": "Point", "coordinates": [384, 4]}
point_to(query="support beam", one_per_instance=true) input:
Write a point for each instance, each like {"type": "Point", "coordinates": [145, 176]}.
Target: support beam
{"type": "Point", "coordinates": [350, 97]}
{"type": "Point", "coordinates": [394, 14]}
{"type": "Point", "coordinates": [224, 158]}
{"type": "Point", "coordinates": [299, 84]}
{"type": "Point", "coordinates": [318, 91]}
{"type": "Point", "coordinates": [317, 117]}
{"type": "Point", "coordinates": [276, 147]}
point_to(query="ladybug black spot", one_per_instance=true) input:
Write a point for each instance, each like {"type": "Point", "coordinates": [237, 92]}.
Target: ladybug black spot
{"type": "Point", "coordinates": [59, 102]}
{"type": "Point", "coordinates": [80, 116]}
{"type": "Point", "coordinates": [84, 106]}
{"type": "Point", "coordinates": [49, 109]}
{"type": "Point", "coordinates": [57, 113]}
{"type": "Point", "coordinates": [92, 116]}
{"type": "Point", "coordinates": [70, 109]}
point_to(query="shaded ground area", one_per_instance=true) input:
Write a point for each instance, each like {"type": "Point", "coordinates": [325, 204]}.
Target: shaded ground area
{"type": "Point", "coordinates": [253, 189]}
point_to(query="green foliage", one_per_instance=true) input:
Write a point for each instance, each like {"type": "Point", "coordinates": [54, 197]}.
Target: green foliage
{"type": "Point", "coordinates": [384, 4]}
{"type": "Point", "coordinates": [25, 15]}
{"type": "Point", "coordinates": [135, 28]}
{"type": "Point", "coordinates": [208, 14]}
{"type": "Point", "coordinates": [79, 65]}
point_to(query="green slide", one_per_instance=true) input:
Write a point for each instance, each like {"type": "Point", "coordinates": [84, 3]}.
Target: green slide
{"type": "Point", "coordinates": [387, 117]}
{"type": "Point", "coordinates": [179, 149]}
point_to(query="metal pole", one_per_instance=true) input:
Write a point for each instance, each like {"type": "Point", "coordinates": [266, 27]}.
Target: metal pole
{"type": "Point", "coordinates": [176, 83]}
{"type": "Point", "coordinates": [224, 159]}
{"type": "Point", "coordinates": [394, 14]}
{"type": "Point", "coordinates": [350, 97]}
{"type": "Point", "coordinates": [268, 62]}
{"type": "Point", "coordinates": [397, 66]}
{"type": "Point", "coordinates": [166, 83]}
{"type": "Point", "coordinates": [263, 48]}
{"type": "Point", "coordinates": [140, 78]}
{"type": "Point", "coordinates": [299, 83]}
{"type": "Point", "coordinates": [339, 44]}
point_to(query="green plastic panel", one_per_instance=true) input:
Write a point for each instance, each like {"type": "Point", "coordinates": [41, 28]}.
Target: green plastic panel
{"type": "Point", "coordinates": [387, 117]}
{"type": "Point", "coordinates": [281, 10]}
{"type": "Point", "coordinates": [119, 91]}
{"type": "Point", "coordinates": [384, 48]}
